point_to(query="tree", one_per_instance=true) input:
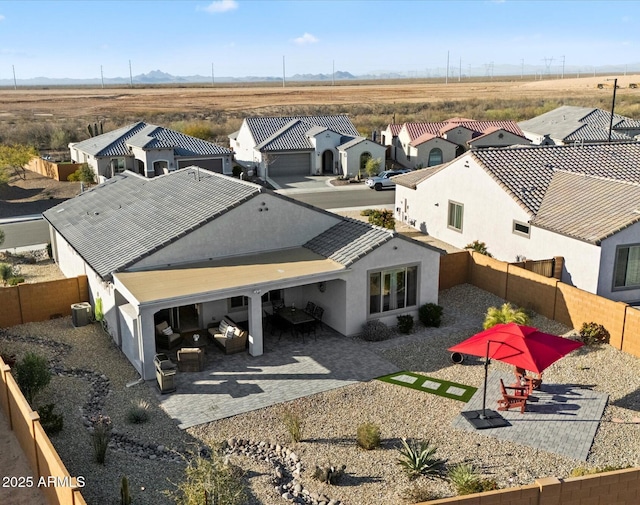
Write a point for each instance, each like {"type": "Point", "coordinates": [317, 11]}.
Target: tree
{"type": "Point", "coordinates": [32, 375]}
{"type": "Point", "coordinates": [1, 237]}
{"type": "Point", "coordinates": [479, 247]}
{"type": "Point", "coordinates": [15, 157]}
{"type": "Point", "coordinates": [84, 174]}
{"type": "Point", "coordinates": [505, 314]}
{"type": "Point", "coordinates": [372, 167]}
{"type": "Point", "coordinates": [383, 218]}
{"type": "Point", "coordinates": [6, 272]}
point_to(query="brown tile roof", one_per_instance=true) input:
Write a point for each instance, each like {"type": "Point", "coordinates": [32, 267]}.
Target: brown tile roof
{"type": "Point", "coordinates": [588, 208]}
{"type": "Point", "coordinates": [415, 130]}
{"type": "Point", "coordinates": [394, 128]}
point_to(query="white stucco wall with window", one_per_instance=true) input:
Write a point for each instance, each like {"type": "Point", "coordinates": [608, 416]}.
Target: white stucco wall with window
{"type": "Point", "coordinates": [627, 238]}
{"type": "Point", "coordinates": [488, 212]}
{"type": "Point", "coordinates": [499, 138]}
{"type": "Point", "coordinates": [243, 147]}
{"type": "Point", "coordinates": [350, 158]}
{"type": "Point", "coordinates": [420, 153]}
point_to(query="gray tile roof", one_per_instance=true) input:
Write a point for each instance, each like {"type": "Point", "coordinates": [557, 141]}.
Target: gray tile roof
{"type": "Point", "coordinates": [263, 127]}
{"type": "Point", "coordinates": [415, 177]}
{"type": "Point", "coordinates": [143, 135]}
{"type": "Point", "coordinates": [350, 143]}
{"type": "Point", "coordinates": [128, 217]}
{"type": "Point", "coordinates": [568, 123]}
{"type": "Point", "coordinates": [291, 137]}
{"type": "Point", "coordinates": [588, 208]}
{"type": "Point", "coordinates": [525, 172]}
{"type": "Point", "coordinates": [348, 241]}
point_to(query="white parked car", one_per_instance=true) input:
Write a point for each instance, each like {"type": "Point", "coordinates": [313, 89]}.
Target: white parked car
{"type": "Point", "coordinates": [383, 179]}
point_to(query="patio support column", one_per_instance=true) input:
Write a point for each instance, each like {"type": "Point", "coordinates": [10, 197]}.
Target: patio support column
{"type": "Point", "coordinates": [146, 344]}
{"type": "Point", "coordinates": [255, 324]}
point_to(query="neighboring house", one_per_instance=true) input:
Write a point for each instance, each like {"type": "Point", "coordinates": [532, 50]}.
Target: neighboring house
{"type": "Point", "coordinates": [430, 144]}
{"type": "Point", "coordinates": [193, 246]}
{"type": "Point", "coordinates": [302, 145]}
{"type": "Point", "coordinates": [569, 124]}
{"type": "Point", "coordinates": [150, 151]}
{"type": "Point", "coordinates": [580, 202]}
{"type": "Point", "coordinates": [389, 138]}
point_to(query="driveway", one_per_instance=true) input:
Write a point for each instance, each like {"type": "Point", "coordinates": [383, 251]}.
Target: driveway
{"type": "Point", "coordinates": [301, 182]}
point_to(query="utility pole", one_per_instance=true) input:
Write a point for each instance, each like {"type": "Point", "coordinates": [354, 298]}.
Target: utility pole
{"type": "Point", "coordinates": [283, 81]}
{"type": "Point", "coordinates": [130, 75]}
{"type": "Point", "coordinates": [446, 79]}
{"type": "Point", "coordinates": [101, 77]}
{"type": "Point", "coordinates": [613, 105]}
{"type": "Point", "coordinates": [562, 77]}
{"type": "Point", "coordinates": [15, 83]}
{"type": "Point", "coordinates": [460, 70]}
{"type": "Point", "coordinates": [522, 68]}
{"type": "Point", "coordinates": [213, 79]}
{"type": "Point", "coordinates": [333, 72]}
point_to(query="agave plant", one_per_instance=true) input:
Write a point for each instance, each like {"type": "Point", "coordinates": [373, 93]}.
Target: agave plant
{"type": "Point", "coordinates": [419, 459]}
{"type": "Point", "coordinates": [505, 314]}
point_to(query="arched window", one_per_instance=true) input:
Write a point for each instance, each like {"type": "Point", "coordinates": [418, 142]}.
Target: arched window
{"type": "Point", "coordinates": [435, 157]}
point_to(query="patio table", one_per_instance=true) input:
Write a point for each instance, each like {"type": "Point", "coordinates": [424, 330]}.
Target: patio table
{"type": "Point", "coordinates": [295, 318]}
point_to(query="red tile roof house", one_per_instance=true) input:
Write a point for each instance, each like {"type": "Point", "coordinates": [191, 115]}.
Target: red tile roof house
{"type": "Point", "coordinates": [422, 145]}
{"type": "Point", "coordinates": [193, 246]}
{"type": "Point", "coordinates": [580, 202]}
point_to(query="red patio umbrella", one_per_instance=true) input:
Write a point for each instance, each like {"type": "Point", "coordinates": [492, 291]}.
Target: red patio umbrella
{"type": "Point", "coordinates": [518, 345]}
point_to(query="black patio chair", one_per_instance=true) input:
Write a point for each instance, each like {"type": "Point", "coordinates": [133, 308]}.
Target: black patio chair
{"type": "Point", "coordinates": [277, 305]}
{"type": "Point", "coordinates": [310, 308]}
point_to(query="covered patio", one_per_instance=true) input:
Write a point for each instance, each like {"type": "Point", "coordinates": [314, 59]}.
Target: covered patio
{"type": "Point", "coordinates": [240, 287]}
{"type": "Point", "coordinates": [288, 369]}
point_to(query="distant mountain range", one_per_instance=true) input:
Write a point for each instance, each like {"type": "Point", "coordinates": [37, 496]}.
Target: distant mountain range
{"type": "Point", "coordinates": [487, 70]}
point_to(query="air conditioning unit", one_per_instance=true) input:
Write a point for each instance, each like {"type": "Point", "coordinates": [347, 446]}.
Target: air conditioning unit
{"type": "Point", "coordinates": [81, 314]}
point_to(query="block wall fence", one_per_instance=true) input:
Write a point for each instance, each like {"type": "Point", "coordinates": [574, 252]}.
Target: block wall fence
{"type": "Point", "coordinates": [57, 171]}
{"type": "Point", "coordinates": [38, 449]}
{"type": "Point", "coordinates": [546, 296]}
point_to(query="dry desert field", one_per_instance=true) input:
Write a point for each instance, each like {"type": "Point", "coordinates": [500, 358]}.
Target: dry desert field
{"type": "Point", "coordinates": [96, 103]}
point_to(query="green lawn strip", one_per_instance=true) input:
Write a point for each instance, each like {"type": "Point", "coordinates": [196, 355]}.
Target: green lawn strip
{"type": "Point", "coordinates": [419, 384]}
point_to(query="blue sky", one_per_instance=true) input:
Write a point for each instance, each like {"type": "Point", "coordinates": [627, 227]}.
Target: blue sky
{"type": "Point", "coordinates": [250, 37]}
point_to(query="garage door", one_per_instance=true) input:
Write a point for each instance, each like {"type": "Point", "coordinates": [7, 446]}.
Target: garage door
{"type": "Point", "coordinates": [214, 165]}
{"type": "Point", "coordinates": [290, 164]}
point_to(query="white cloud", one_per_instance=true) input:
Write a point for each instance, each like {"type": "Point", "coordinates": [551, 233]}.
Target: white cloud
{"type": "Point", "coordinates": [307, 38]}
{"type": "Point", "coordinates": [221, 6]}
{"type": "Point", "coordinates": [1, 17]}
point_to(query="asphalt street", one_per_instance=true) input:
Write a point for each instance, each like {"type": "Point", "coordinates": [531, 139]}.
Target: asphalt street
{"type": "Point", "coordinates": [340, 199]}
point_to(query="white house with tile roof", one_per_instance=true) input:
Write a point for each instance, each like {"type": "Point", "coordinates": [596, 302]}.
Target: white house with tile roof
{"type": "Point", "coordinates": [299, 145]}
{"type": "Point", "coordinates": [193, 246]}
{"type": "Point", "coordinates": [149, 150]}
{"type": "Point", "coordinates": [579, 202]}
{"type": "Point", "coordinates": [568, 124]}
{"type": "Point", "coordinates": [430, 144]}
{"type": "Point", "coordinates": [389, 138]}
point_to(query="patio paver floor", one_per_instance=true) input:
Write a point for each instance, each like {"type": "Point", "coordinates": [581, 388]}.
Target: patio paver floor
{"type": "Point", "coordinates": [288, 369]}
{"type": "Point", "coordinates": [563, 420]}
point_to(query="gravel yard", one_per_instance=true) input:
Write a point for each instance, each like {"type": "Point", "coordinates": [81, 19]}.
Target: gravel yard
{"type": "Point", "coordinates": [331, 418]}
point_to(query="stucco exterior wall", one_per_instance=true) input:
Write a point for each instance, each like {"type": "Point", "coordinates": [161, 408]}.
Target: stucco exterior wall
{"type": "Point", "coordinates": [628, 236]}
{"type": "Point", "coordinates": [495, 140]}
{"type": "Point", "coordinates": [323, 141]}
{"type": "Point", "coordinates": [243, 146]}
{"type": "Point", "coordinates": [351, 157]}
{"type": "Point", "coordinates": [394, 253]}
{"type": "Point", "coordinates": [459, 135]}
{"type": "Point", "coordinates": [488, 211]}
{"type": "Point", "coordinates": [244, 230]}
{"type": "Point", "coordinates": [420, 153]}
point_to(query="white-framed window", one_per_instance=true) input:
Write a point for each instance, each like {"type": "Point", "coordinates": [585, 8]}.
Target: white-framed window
{"type": "Point", "coordinates": [626, 272]}
{"type": "Point", "coordinates": [393, 289]}
{"type": "Point", "coordinates": [242, 302]}
{"type": "Point", "coordinates": [117, 165]}
{"type": "Point", "coordinates": [272, 296]}
{"type": "Point", "coordinates": [456, 211]}
{"type": "Point", "coordinates": [435, 157]}
{"type": "Point", "coordinates": [238, 302]}
{"type": "Point", "coordinates": [520, 228]}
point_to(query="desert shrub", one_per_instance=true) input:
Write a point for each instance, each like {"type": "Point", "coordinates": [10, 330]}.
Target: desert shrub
{"type": "Point", "coordinates": [84, 174]}
{"type": "Point", "coordinates": [383, 218]}
{"type": "Point", "coordinates": [375, 331]}
{"type": "Point", "coordinates": [199, 129]}
{"type": "Point", "coordinates": [418, 458]}
{"type": "Point", "coordinates": [138, 413]}
{"type": "Point", "coordinates": [419, 492]}
{"type": "Point", "coordinates": [368, 436]}
{"type": "Point", "coordinates": [581, 471]}
{"type": "Point", "coordinates": [479, 247]}
{"type": "Point", "coordinates": [49, 250]}
{"type": "Point", "coordinates": [51, 422]}
{"type": "Point", "coordinates": [293, 421]}
{"type": "Point", "coordinates": [14, 281]}
{"type": "Point", "coordinates": [237, 170]}
{"type": "Point", "coordinates": [466, 480]}
{"type": "Point", "coordinates": [125, 495]}
{"type": "Point", "coordinates": [211, 480]}
{"type": "Point", "coordinates": [507, 313]}
{"type": "Point", "coordinates": [372, 166]}
{"type": "Point", "coordinates": [366, 212]}
{"type": "Point", "coordinates": [1, 237]}
{"type": "Point", "coordinates": [100, 437]}
{"type": "Point", "coordinates": [32, 375]}
{"type": "Point", "coordinates": [405, 323]}
{"type": "Point", "coordinates": [430, 314]}
{"type": "Point", "coordinates": [6, 272]}
{"type": "Point", "coordinates": [594, 334]}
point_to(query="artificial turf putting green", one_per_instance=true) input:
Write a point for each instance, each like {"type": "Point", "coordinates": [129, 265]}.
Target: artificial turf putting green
{"type": "Point", "coordinates": [438, 387]}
